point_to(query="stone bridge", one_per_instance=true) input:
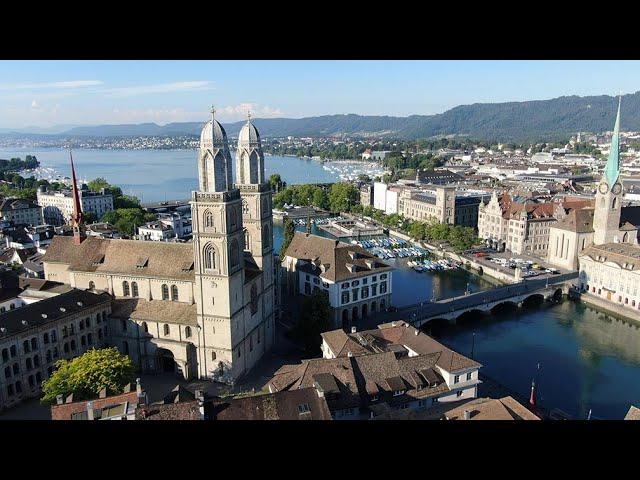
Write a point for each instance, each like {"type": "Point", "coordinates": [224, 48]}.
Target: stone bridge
{"type": "Point", "coordinates": [482, 301]}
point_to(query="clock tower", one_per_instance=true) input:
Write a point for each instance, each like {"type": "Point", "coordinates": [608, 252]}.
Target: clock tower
{"type": "Point", "coordinates": [606, 218]}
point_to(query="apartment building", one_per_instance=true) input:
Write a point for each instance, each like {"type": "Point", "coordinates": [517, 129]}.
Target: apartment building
{"type": "Point", "coordinates": [21, 211]}
{"type": "Point", "coordinates": [57, 207]}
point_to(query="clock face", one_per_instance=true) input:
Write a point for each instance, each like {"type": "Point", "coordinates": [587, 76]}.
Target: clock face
{"type": "Point", "coordinates": [617, 188]}
{"type": "Point", "coordinates": [604, 188]}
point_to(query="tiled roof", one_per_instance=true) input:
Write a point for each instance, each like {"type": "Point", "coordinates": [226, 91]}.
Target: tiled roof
{"type": "Point", "coordinates": [155, 311]}
{"type": "Point", "coordinates": [506, 408]}
{"type": "Point", "coordinates": [578, 221]}
{"type": "Point", "coordinates": [67, 410]}
{"type": "Point", "coordinates": [302, 404]}
{"type": "Point", "coordinates": [334, 257]}
{"type": "Point", "coordinates": [50, 309]}
{"type": "Point", "coordinates": [619, 253]}
{"type": "Point", "coordinates": [189, 410]}
{"type": "Point", "coordinates": [633, 413]}
{"type": "Point", "coordinates": [164, 260]}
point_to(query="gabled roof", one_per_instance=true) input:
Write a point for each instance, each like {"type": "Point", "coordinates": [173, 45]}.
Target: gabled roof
{"type": "Point", "coordinates": [155, 311]}
{"type": "Point", "coordinates": [333, 260]}
{"type": "Point", "coordinates": [302, 404]}
{"type": "Point", "coordinates": [117, 256]}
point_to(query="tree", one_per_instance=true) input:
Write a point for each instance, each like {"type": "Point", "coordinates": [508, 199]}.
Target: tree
{"type": "Point", "coordinates": [89, 217]}
{"type": "Point", "coordinates": [276, 182]}
{"type": "Point", "coordinates": [125, 220]}
{"type": "Point", "coordinates": [289, 232]}
{"type": "Point", "coordinates": [98, 184]}
{"type": "Point", "coordinates": [342, 196]}
{"type": "Point", "coordinates": [315, 318]}
{"type": "Point", "coordinates": [87, 375]}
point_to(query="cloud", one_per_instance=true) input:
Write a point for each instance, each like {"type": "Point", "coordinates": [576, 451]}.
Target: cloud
{"type": "Point", "coordinates": [186, 86]}
{"type": "Point", "coordinates": [257, 110]}
{"type": "Point", "coordinates": [51, 85]}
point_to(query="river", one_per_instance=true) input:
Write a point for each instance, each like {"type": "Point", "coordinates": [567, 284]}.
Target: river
{"type": "Point", "coordinates": [588, 360]}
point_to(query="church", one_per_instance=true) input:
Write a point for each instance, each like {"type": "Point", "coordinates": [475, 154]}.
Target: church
{"type": "Point", "coordinates": [610, 266]}
{"type": "Point", "coordinates": [205, 309]}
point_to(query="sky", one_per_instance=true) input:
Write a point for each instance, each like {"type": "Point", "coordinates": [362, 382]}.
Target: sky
{"type": "Point", "coordinates": [48, 93]}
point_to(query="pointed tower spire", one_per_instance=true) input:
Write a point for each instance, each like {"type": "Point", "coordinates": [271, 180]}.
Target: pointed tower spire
{"type": "Point", "coordinates": [76, 219]}
{"type": "Point", "coordinates": [612, 170]}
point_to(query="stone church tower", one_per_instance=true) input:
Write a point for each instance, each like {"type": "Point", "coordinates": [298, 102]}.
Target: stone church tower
{"type": "Point", "coordinates": [606, 219]}
{"type": "Point", "coordinates": [255, 192]}
{"type": "Point", "coordinates": [218, 241]}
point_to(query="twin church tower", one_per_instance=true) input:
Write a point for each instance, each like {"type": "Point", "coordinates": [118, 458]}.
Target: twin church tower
{"type": "Point", "coordinates": [233, 252]}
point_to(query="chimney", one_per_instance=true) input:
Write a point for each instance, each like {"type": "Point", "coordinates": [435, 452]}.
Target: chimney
{"type": "Point", "coordinates": [200, 398]}
{"type": "Point", "coordinates": [69, 398]}
{"type": "Point", "coordinates": [349, 354]}
{"type": "Point", "coordinates": [59, 400]}
{"type": "Point", "coordinates": [103, 393]}
{"type": "Point", "coordinates": [467, 415]}
{"type": "Point", "coordinates": [353, 329]}
{"type": "Point", "coordinates": [417, 332]}
{"type": "Point", "coordinates": [90, 411]}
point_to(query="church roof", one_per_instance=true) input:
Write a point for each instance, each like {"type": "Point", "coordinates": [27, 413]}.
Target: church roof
{"type": "Point", "coordinates": [154, 311]}
{"type": "Point", "coordinates": [578, 221]}
{"type": "Point", "coordinates": [126, 257]}
{"type": "Point", "coordinates": [213, 135]}
{"type": "Point", "coordinates": [248, 136]}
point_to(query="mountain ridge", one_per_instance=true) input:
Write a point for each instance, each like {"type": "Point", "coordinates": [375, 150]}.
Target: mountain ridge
{"type": "Point", "coordinates": [528, 120]}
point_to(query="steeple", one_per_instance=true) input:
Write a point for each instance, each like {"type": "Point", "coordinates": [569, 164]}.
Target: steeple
{"type": "Point", "coordinates": [612, 170]}
{"type": "Point", "coordinates": [76, 219]}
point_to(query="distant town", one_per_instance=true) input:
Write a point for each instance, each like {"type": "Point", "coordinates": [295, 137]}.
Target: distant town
{"type": "Point", "coordinates": [198, 291]}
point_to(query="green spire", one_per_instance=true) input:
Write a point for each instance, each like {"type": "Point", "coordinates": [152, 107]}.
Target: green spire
{"type": "Point", "coordinates": [612, 170]}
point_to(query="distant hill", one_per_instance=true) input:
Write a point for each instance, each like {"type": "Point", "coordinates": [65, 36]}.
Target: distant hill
{"type": "Point", "coordinates": [531, 120]}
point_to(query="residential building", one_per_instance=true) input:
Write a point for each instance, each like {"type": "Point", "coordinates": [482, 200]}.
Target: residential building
{"type": "Point", "coordinates": [35, 336]}
{"type": "Point", "coordinates": [57, 207]}
{"type": "Point", "coordinates": [203, 309]}
{"type": "Point", "coordinates": [394, 367]}
{"type": "Point", "coordinates": [301, 404]}
{"type": "Point", "coordinates": [106, 407]}
{"type": "Point", "coordinates": [21, 211]}
{"type": "Point", "coordinates": [357, 282]}
{"type": "Point", "coordinates": [366, 195]}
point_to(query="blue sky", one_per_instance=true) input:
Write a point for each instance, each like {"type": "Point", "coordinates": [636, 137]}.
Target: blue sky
{"type": "Point", "coordinates": [46, 93]}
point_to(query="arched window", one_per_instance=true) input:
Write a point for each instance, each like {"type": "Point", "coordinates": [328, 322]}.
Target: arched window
{"type": "Point", "coordinates": [65, 348]}
{"type": "Point", "coordinates": [245, 206]}
{"type": "Point", "coordinates": [87, 322]}
{"type": "Point", "coordinates": [247, 240]}
{"type": "Point", "coordinates": [614, 203]}
{"type": "Point", "coordinates": [5, 354]}
{"type": "Point", "coordinates": [125, 289]}
{"type": "Point", "coordinates": [166, 329]}
{"type": "Point", "coordinates": [174, 293]}
{"type": "Point", "coordinates": [145, 327]}
{"type": "Point", "coordinates": [625, 237]}
{"type": "Point", "coordinates": [81, 324]}
{"type": "Point", "coordinates": [83, 340]}
{"type": "Point", "coordinates": [89, 339]}
{"type": "Point", "coordinates": [187, 332]}
{"type": "Point", "coordinates": [125, 348]}
{"type": "Point", "coordinates": [25, 346]}
{"type": "Point", "coordinates": [235, 253]}
{"type": "Point", "coordinates": [92, 285]}
{"type": "Point", "coordinates": [12, 350]}
{"type": "Point", "coordinates": [73, 345]}
{"type": "Point", "coordinates": [208, 219]}
{"type": "Point", "coordinates": [29, 364]}
{"type": "Point", "coordinates": [34, 343]}
{"type": "Point", "coordinates": [134, 289]}
{"type": "Point", "coordinates": [36, 361]}
{"type": "Point", "coordinates": [99, 334]}
{"type": "Point", "coordinates": [165, 292]}
{"type": "Point", "coordinates": [213, 355]}
{"type": "Point", "coordinates": [209, 257]}
{"type": "Point", "coordinates": [48, 356]}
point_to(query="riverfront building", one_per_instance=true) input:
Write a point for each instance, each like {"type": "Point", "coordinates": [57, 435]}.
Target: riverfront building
{"type": "Point", "coordinates": [610, 268]}
{"type": "Point", "coordinates": [205, 309]}
{"type": "Point", "coordinates": [357, 282]}
{"type": "Point", "coordinates": [57, 207]}
{"type": "Point", "coordinates": [395, 367]}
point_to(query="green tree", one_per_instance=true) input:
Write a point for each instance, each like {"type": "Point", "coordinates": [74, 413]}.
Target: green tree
{"type": "Point", "coordinates": [315, 318]}
{"type": "Point", "coordinates": [125, 220]}
{"type": "Point", "coordinates": [87, 375]}
{"type": "Point", "coordinates": [289, 232]}
{"type": "Point", "coordinates": [276, 182]}
{"type": "Point", "coordinates": [320, 198]}
{"type": "Point", "coordinates": [342, 197]}
{"type": "Point", "coordinates": [98, 184]}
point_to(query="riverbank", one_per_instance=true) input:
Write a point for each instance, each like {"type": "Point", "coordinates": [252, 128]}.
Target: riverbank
{"type": "Point", "coordinates": [608, 307]}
